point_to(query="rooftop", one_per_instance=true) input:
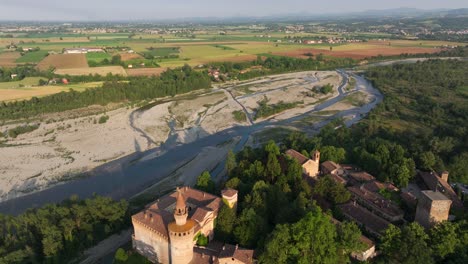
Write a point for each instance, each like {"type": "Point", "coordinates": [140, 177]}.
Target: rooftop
{"type": "Point", "coordinates": [435, 196]}
{"type": "Point", "coordinates": [297, 156]}
{"type": "Point", "coordinates": [158, 215]}
{"type": "Point", "coordinates": [377, 201]}
{"type": "Point", "coordinates": [228, 192]}
{"type": "Point", "coordinates": [330, 165]}
{"type": "Point", "coordinates": [364, 217]}
{"type": "Point", "coordinates": [361, 176]}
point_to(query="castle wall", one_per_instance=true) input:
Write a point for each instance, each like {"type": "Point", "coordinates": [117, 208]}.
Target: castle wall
{"type": "Point", "coordinates": [150, 244]}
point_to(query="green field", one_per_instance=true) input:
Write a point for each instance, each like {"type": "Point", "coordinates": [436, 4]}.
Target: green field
{"type": "Point", "coordinates": [33, 57]}
{"type": "Point", "coordinates": [162, 52]}
{"type": "Point", "coordinates": [97, 56]}
{"type": "Point", "coordinates": [28, 81]}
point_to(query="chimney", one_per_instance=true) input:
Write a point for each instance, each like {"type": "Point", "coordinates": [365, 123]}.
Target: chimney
{"type": "Point", "coordinates": [144, 213]}
{"type": "Point", "coordinates": [237, 246]}
{"type": "Point", "coordinates": [203, 194]}
{"type": "Point", "coordinates": [151, 218]}
{"type": "Point", "coordinates": [444, 176]}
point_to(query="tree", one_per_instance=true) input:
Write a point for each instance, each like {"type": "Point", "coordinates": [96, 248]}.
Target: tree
{"type": "Point", "coordinates": [332, 153]}
{"type": "Point", "coordinates": [116, 60]}
{"type": "Point", "coordinates": [427, 160]}
{"type": "Point", "coordinates": [334, 192]}
{"type": "Point", "coordinates": [249, 226]}
{"type": "Point", "coordinates": [273, 168]}
{"type": "Point", "coordinates": [205, 183]}
{"type": "Point", "coordinates": [272, 148]}
{"type": "Point", "coordinates": [409, 245]}
{"type": "Point", "coordinates": [349, 237]}
{"type": "Point", "coordinates": [311, 240]}
{"type": "Point", "coordinates": [444, 239]}
{"type": "Point", "coordinates": [230, 162]}
{"type": "Point", "coordinates": [459, 168]}
{"type": "Point", "coordinates": [121, 256]}
{"type": "Point", "coordinates": [225, 223]}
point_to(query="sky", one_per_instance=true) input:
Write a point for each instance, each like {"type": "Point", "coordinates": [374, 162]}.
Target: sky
{"type": "Point", "coordinates": [92, 10]}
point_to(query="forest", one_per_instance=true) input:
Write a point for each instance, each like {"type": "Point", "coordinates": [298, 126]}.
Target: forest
{"type": "Point", "coordinates": [58, 233]}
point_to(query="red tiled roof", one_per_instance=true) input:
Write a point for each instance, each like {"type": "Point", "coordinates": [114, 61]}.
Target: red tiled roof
{"type": "Point", "coordinates": [330, 166]}
{"type": "Point", "coordinates": [338, 179]}
{"type": "Point", "coordinates": [364, 217]}
{"type": "Point", "coordinates": [158, 215]}
{"type": "Point", "coordinates": [297, 156]}
{"type": "Point", "coordinates": [361, 176]}
{"type": "Point", "coordinates": [228, 192]}
{"type": "Point", "coordinates": [241, 254]}
{"type": "Point", "coordinates": [377, 202]}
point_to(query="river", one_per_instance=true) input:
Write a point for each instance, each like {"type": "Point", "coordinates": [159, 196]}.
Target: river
{"type": "Point", "coordinates": [127, 176]}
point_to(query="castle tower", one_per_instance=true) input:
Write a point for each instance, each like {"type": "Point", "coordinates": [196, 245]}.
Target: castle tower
{"type": "Point", "coordinates": [181, 233]}
{"type": "Point", "coordinates": [433, 207]}
{"type": "Point", "coordinates": [230, 197]}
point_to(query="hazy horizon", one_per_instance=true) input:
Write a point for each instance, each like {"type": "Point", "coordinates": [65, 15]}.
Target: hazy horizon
{"type": "Point", "coordinates": [87, 10]}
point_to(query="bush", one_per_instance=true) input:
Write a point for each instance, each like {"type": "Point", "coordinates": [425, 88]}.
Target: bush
{"type": "Point", "coordinates": [103, 119]}
{"type": "Point", "coordinates": [21, 130]}
{"type": "Point", "coordinates": [239, 116]}
{"type": "Point", "coordinates": [120, 256]}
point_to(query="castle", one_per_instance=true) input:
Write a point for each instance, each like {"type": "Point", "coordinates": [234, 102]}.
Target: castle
{"type": "Point", "coordinates": [167, 230]}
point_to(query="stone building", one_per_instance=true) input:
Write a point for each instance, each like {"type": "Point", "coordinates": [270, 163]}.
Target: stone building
{"type": "Point", "coordinates": [439, 183]}
{"type": "Point", "coordinates": [310, 167]}
{"type": "Point", "coordinates": [166, 231]}
{"type": "Point", "coordinates": [230, 197]}
{"type": "Point", "coordinates": [433, 207]}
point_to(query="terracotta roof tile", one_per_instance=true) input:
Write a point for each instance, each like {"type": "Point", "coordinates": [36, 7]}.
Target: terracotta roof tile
{"type": "Point", "coordinates": [159, 214]}
{"type": "Point", "coordinates": [297, 156]}
{"type": "Point", "coordinates": [228, 192]}
{"type": "Point", "coordinates": [377, 202]}
{"type": "Point", "coordinates": [364, 217]}
{"type": "Point", "coordinates": [241, 254]}
{"type": "Point", "coordinates": [329, 166]}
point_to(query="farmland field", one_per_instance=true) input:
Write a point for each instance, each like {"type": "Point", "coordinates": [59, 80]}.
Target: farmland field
{"type": "Point", "coordinates": [63, 61]}
{"type": "Point", "coordinates": [33, 57]}
{"type": "Point", "coordinates": [94, 70]}
{"type": "Point", "coordinates": [11, 93]}
{"type": "Point", "coordinates": [8, 59]}
{"type": "Point", "coordinates": [145, 71]}
{"type": "Point", "coordinates": [164, 51]}
{"type": "Point", "coordinates": [97, 56]}
{"type": "Point", "coordinates": [130, 56]}
{"type": "Point", "coordinates": [26, 82]}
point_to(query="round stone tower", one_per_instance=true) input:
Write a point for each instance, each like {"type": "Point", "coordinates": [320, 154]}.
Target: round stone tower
{"type": "Point", "coordinates": [181, 233]}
